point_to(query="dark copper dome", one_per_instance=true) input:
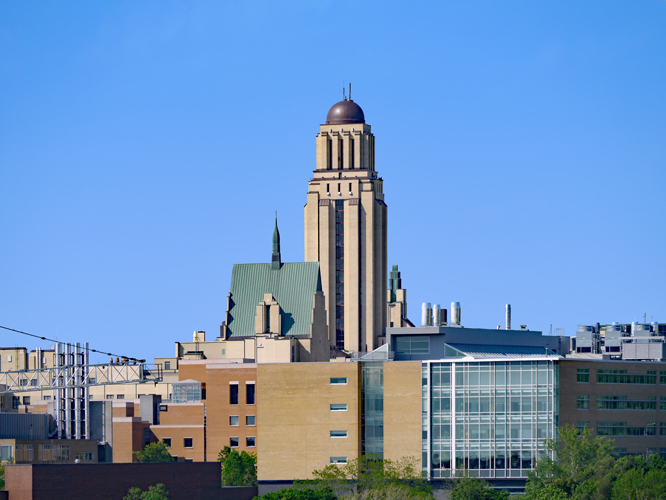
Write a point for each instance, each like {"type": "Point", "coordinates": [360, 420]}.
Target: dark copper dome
{"type": "Point", "coordinates": [344, 112]}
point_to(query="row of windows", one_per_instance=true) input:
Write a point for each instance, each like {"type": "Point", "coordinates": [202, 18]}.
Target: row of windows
{"type": "Point", "coordinates": [475, 460]}
{"type": "Point", "coordinates": [249, 394]}
{"type": "Point", "coordinates": [485, 404]}
{"type": "Point", "coordinates": [622, 429]}
{"type": "Point", "coordinates": [620, 403]}
{"type": "Point", "coordinates": [620, 377]}
{"type": "Point", "coordinates": [328, 188]}
{"type": "Point", "coordinates": [412, 345]}
{"type": "Point", "coordinates": [490, 431]}
{"type": "Point", "coordinates": [488, 378]}
{"type": "Point", "coordinates": [249, 420]}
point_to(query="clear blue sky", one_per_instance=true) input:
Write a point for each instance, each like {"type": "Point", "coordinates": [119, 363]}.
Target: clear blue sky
{"type": "Point", "coordinates": [145, 146]}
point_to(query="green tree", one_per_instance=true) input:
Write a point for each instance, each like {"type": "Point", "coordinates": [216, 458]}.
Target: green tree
{"type": "Point", "coordinates": [154, 453]}
{"type": "Point", "coordinates": [299, 494]}
{"type": "Point", "coordinates": [157, 492]}
{"type": "Point", "coordinates": [468, 488]}
{"type": "Point", "coordinates": [372, 477]}
{"type": "Point", "coordinates": [578, 470]}
{"type": "Point", "coordinates": [238, 469]}
{"type": "Point", "coordinates": [2, 472]}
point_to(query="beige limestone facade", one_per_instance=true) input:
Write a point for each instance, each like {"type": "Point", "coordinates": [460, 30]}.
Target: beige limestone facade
{"type": "Point", "coordinates": [402, 410]}
{"type": "Point", "coordinates": [346, 232]}
{"type": "Point", "coordinates": [299, 407]}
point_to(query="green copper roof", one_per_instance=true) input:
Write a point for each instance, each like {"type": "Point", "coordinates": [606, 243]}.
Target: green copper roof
{"type": "Point", "coordinates": [292, 285]}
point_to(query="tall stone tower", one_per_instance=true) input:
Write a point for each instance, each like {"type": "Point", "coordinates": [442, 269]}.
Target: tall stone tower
{"type": "Point", "coordinates": [345, 229]}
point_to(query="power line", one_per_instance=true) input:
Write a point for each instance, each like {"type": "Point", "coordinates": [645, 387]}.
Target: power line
{"type": "Point", "coordinates": [72, 345]}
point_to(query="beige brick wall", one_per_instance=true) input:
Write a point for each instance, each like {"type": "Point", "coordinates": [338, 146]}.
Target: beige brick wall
{"type": "Point", "coordinates": [294, 410]}
{"type": "Point", "coordinates": [402, 410]}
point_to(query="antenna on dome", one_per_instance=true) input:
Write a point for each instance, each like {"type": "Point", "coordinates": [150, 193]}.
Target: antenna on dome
{"type": "Point", "coordinates": [344, 98]}
{"type": "Point", "coordinates": [350, 91]}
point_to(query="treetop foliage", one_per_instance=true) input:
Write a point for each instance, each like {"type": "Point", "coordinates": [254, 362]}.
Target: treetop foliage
{"type": "Point", "coordinates": [157, 492]}
{"type": "Point", "coordinates": [584, 468]}
{"type": "Point", "coordinates": [238, 469]}
{"type": "Point", "coordinates": [154, 453]}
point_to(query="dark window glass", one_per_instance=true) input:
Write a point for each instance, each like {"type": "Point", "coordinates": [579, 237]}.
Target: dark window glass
{"type": "Point", "coordinates": [167, 442]}
{"type": "Point", "coordinates": [233, 442]}
{"type": "Point", "coordinates": [187, 442]}
{"type": "Point", "coordinates": [250, 394]}
{"type": "Point", "coordinates": [233, 394]}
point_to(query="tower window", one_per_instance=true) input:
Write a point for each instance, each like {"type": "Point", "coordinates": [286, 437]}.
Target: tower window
{"type": "Point", "coordinates": [350, 189]}
{"type": "Point", "coordinates": [328, 188]}
{"type": "Point", "coordinates": [351, 151]}
{"type": "Point", "coordinates": [339, 272]}
{"type": "Point", "coordinates": [338, 187]}
{"type": "Point", "coordinates": [329, 155]}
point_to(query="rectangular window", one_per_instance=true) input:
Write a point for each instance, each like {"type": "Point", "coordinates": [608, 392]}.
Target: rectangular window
{"type": "Point", "coordinates": [662, 428]}
{"type": "Point", "coordinates": [582, 425]}
{"type": "Point", "coordinates": [233, 394]}
{"type": "Point", "coordinates": [622, 429]}
{"type": "Point", "coordinates": [662, 377]}
{"type": "Point", "coordinates": [412, 345]}
{"type": "Point", "coordinates": [146, 436]}
{"type": "Point", "coordinates": [109, 396]}
{"type": "Point", "coordinates": [338, 380]}
{"type": "Point", "coordinates": [622, 403]}
{"type": "Point", "coordinates": [6, 452]}
{"type": "Point", "coordinates": [250, 442]}
{"type": "Point", "coordinates": [120, 396]}
{"type": "Point", "coordinates": [233, 420]}
{"type": "Point", "coordinates": [62, 452]}
{"type": "Point", "coordinates": [233, 442]}
{"type": "Point", "coordinates": [339, 407]}
{"type": "Point", "coordinates": [662, 403]}
{"type": "Point", "coordinates": [167, 442]}
{"type": "Point", "coordinates": [187, 442]}
{"type": "Point", "coordinates": [338, 460]}
{"type": "Point", "coordinates": [583, 375]}
{"type": "Point", "coordinates": [26, 400]}
{"type": "Point", "coordinates": [47, 398]}
{"type": "Point", "coordinates": [622, 377]}
{"type": "Point", "coordinates": [338, 434]}
{"type": "Point", "coordinates": [249, 420]}
{"type": "Point", "coordinates": [250, 393]}
{"type": "Point", "coordinates": [167, 365]}
{"type": "Point", "coordinates": [583, 402]}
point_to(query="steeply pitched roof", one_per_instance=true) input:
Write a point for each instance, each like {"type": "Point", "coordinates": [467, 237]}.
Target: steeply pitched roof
{"type": "Point", "coordinates": [293, 286]}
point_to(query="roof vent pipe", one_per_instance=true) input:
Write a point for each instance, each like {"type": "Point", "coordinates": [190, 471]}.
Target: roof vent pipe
{"type": "Point", "coordinates": [455, 313]}
{"type": "Point", "coordinates": [426, 314]}
{"type": "Point", "coordinates": [435, 315]}
{"type": "Point", "coordinates": [507, 316]}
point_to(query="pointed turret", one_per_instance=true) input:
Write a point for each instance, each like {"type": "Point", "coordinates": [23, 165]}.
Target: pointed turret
{"type": "Point", "coordinates": [276, 261]}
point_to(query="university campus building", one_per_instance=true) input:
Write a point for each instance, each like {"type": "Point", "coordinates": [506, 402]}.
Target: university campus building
{"type": "Point", "coordinates": [317, 363]}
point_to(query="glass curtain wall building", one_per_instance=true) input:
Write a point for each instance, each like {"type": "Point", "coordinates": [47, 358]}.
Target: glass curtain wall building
{"type": "Point", "coordinates": [372, 408]}
{"type": "Point", "coordinates": [488, 416]}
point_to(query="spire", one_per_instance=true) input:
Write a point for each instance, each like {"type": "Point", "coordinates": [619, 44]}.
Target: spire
{"type": "Point", "coordinates": [276, 261]}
